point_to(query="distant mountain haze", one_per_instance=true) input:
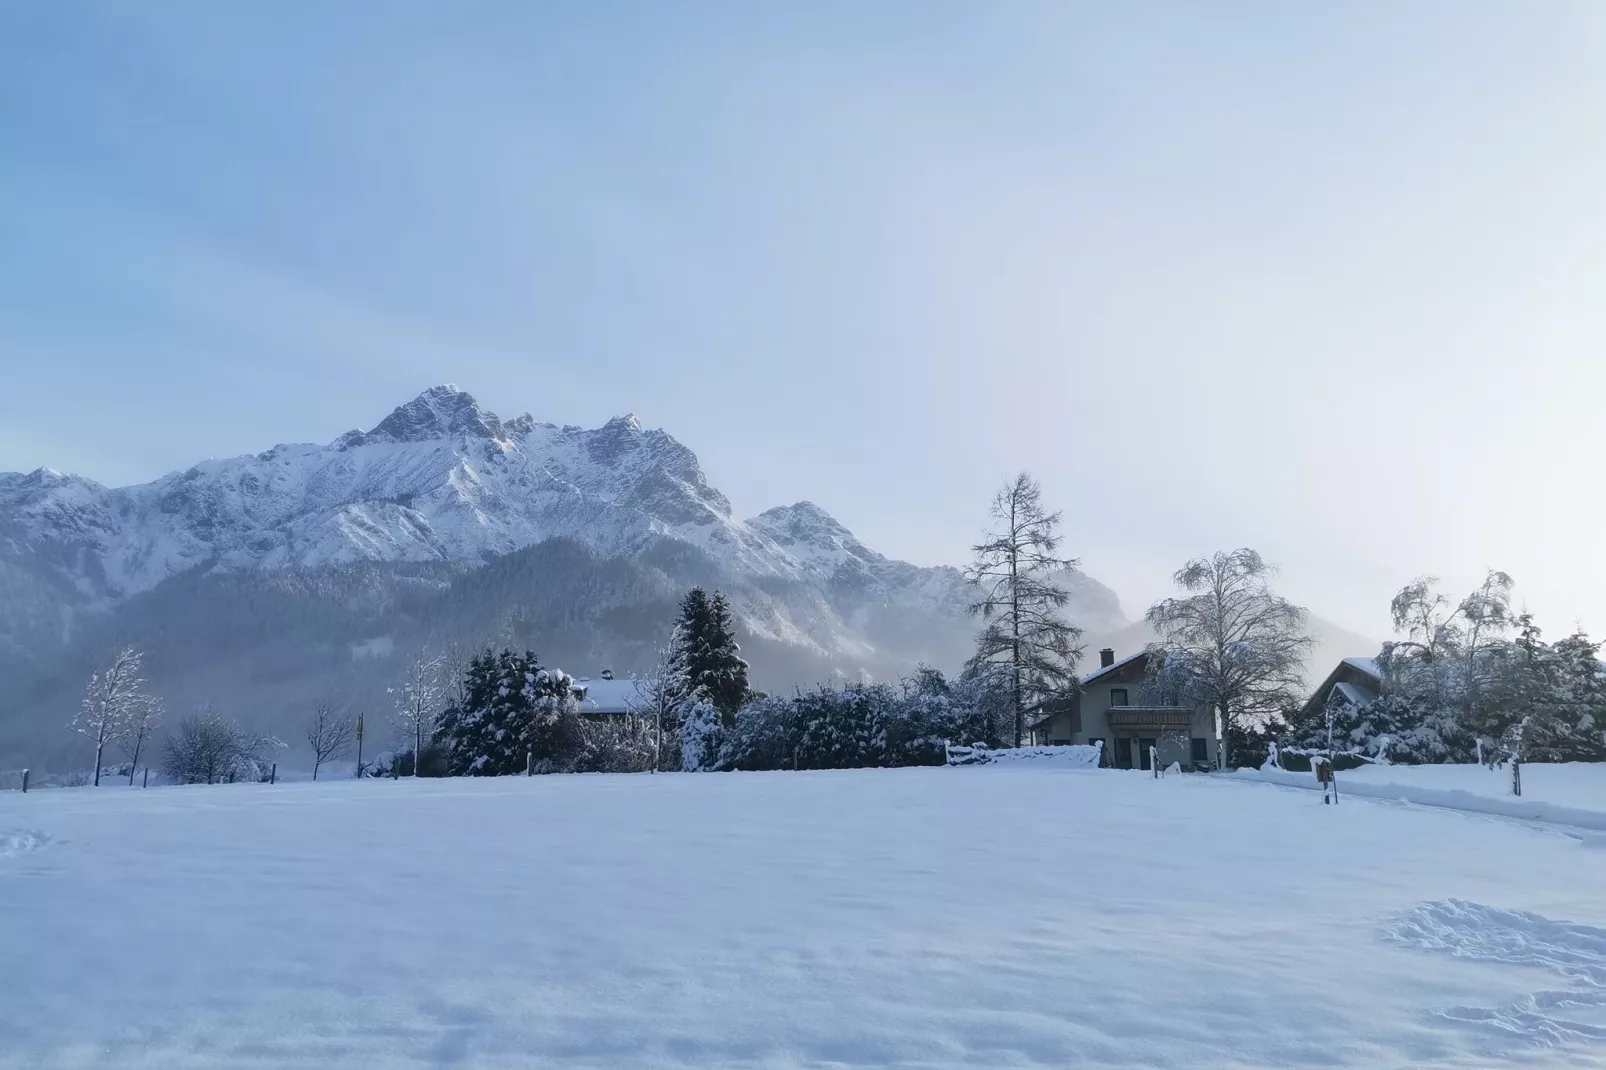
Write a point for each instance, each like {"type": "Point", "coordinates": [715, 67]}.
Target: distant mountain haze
{"type": "Point", "coordinates": [307, 573]}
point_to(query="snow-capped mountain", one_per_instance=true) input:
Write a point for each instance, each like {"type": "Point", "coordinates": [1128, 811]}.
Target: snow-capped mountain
{"type": "Point", "coordinates": [441, 479]}
{"type": "Point", "coordinates": [445, 522]}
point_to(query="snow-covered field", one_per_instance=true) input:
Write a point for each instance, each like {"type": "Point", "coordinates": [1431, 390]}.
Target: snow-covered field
{"type": "Point", "coordinates": [1575, 784]}
{"type": "Point", "coordinates": [977, 917]}
{"type": "Point", "coordinates": [1571, 794]}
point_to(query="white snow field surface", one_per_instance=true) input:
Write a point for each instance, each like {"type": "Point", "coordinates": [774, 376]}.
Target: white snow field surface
{"type": "Point", "coordinates": [947, 917]}
{"type": "Point", "coordinates": [1568, 793]}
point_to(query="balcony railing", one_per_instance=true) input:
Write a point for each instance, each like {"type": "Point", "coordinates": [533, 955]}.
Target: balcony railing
{"type": "Point", "coordinates": [1157, 717]}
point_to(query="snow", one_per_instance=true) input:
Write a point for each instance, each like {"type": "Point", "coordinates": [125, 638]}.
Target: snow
{"type": "Point", "coordinates": [610, 696]}
{"type": "Point", "coordinates": [441, 479]}
{"type": "Point", "coordinates": [1366, 665]}
{"type": "Point", "coordinates": [1575, 785]}
{"type": "Point", "coordinates": [1080, 756]}
{"type": "Point", "coordinates": [1496, 798]}
{"type": "Point", "coordinates": [942, 917]}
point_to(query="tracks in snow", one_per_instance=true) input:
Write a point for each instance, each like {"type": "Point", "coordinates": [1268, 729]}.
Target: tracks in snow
{"type": "Point", "coordinates": [19, 841]}
{"type": "Point", "coordinates": [1571, 1015]}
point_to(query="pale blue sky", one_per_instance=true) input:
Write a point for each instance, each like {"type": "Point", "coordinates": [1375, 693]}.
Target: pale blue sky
{"type": "Point", "coordinates": [1324, 279]}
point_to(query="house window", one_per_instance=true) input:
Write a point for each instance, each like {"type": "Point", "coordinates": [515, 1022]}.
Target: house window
{"type": "Point", "coordinates": [1118, 696]}
{"type": "Point", "coordinates": [1201, 750]}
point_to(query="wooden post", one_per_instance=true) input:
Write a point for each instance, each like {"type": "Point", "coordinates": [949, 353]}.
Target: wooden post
{"type": "Point", "coordinates": [273, 774]}
{"type": "Point", "coordinates": [1154, 761]}
{"type": "Point", "coordinates": [1516, 776]}
{"type": "Point", "coordinates": [25, 781]}
{"type": "Point", "coordinates": [529, 763]}
{"type": "Point", "coordinates": [147, 781]}
{"type": "Point", "coordinates": [359, 746]}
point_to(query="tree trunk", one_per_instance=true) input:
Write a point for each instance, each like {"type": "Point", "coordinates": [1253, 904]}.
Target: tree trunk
{"type": "Point", "coordinates": [1014, 627]}
{"type": "Point", "coordinates": [133, 763]}
{"type": "Point", "coordinates": [315, 763]}
{"type": "Point", "coordinates": [1223, 734]}
{"type": "Point", "coordinates": [100, 746]}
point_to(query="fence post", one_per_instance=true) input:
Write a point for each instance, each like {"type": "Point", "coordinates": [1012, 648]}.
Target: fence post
{"type": "Point", "coordinates": [273, 774]}
{"type": "Point", "coordinates": [147, 781]}
{"type": "Point", "coordinates": [25, 781]}
{"type": "Point", "coordinates": [529, 762]}
{"type": "Point", "coordinates": [1154, 761]}
{"type": "Point", "coordinates": [1516, 776]}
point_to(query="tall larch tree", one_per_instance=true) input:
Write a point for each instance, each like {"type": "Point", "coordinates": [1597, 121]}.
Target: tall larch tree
{"type": "Point", "coordinates": [1024, 640]}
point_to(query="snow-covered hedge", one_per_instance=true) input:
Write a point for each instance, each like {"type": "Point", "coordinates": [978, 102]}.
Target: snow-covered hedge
{"type": "Point", "coordinates": [1078, 757]}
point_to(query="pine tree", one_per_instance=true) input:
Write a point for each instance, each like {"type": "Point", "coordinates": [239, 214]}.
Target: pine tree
{"type": "Point", "coordinates": [715, 670]}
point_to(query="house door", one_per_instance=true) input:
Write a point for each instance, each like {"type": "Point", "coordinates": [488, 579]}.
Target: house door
{"type": "Point", "coordinates": [1123, 752]}
{"type": "Point", "coordinates": [1145, 746]}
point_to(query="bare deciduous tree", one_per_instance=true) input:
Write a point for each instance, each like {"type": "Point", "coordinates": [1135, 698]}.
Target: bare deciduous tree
{"type": "Point", "coordinates": [660, 693]}
{"type": "Point", "coordinates": [114, 702]}
{"type": "Point", "coordinates": [1024, 635]}
{"type": "Point", "coordinates": [143, 721]}
{"type": "Point", "coordinates": [1232, 642]}
{"type": "Point", "coordinates": [208, 748]}
{"type": "Point", "coordinates": [329, 735]}
{"type": "Point", "coordinates": [418, 700]}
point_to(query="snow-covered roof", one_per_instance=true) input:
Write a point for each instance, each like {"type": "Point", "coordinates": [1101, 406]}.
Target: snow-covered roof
{"type": "Point", "coordinates": [1366, 665]}
{"type": "Point", "coordinates": [1090, 677]}
{"type": "Point", "coordinates": [607, 696]}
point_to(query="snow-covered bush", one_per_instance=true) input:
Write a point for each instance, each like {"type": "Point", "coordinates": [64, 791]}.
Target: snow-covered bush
{"type": "Point", "coordinates": [702, 736]}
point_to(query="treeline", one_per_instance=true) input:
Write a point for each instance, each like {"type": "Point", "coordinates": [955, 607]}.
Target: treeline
{"type": "Point", "coordinates": [1465, 681]}
{"type": "Point", "coordinates": [695, 711]}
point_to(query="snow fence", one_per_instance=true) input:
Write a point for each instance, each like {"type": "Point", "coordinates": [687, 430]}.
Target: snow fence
{"type": "Point", "coordinates": [1077, 757]}
{"type": "Point", "coordinates": [1513, 806]}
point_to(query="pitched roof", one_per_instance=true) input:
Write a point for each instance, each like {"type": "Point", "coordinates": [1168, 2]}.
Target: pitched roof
{"type": "Point", "coordinates": [1090, 677]}
{"type": "Point", "coordinates": [1366, 665]}
{"type": "Point", "coordinates": [607, 696]}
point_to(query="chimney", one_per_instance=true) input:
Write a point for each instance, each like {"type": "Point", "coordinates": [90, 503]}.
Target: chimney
{"type": "Point", "coordinates": [1106, 658]}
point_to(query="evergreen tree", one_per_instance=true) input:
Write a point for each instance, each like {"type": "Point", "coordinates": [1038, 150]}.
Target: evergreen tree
{"type": "Point", "coordinates": [513, 712]}
{"type": "Point", "coordinates": [846, 729]}
{"type": "Point", "coordinates": [702, 737]}
{"type": "Point", "coordinates": [714, 669]}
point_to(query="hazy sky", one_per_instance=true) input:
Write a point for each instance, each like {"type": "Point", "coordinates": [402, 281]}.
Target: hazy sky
{"type": "Point", "coordinates": [1324, 279]}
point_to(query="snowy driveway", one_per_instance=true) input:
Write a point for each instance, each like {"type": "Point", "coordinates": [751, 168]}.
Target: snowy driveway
{"type": "Point", "coordinates": [923, 917]}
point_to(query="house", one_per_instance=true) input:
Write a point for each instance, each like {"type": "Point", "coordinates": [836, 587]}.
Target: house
{"type": "Point", "coordinates": [1355, 681]}
{"type": "Point", "coordinates": [1111, 709]}
{"type": "Point", "coordinates": [606, 696]}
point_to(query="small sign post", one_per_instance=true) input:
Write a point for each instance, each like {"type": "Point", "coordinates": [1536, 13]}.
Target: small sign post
{"type": "Point", "coordinates": [1323, 768]}
{"type": "Point", "coordinates": [359, 746]}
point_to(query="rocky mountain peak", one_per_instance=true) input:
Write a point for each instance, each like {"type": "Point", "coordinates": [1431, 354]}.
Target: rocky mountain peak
{"type": "Point", "coordinates": [440, 412]}
{"type": "Point", "coordinates": [627, 422]}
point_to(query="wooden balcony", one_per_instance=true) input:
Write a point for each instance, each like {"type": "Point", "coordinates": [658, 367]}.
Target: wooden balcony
{"type": "Point", "coordinates": [1149, 718]}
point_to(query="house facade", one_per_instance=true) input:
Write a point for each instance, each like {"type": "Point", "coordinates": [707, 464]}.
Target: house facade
{"type": "Point", "coordinates": [1113, 708]}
